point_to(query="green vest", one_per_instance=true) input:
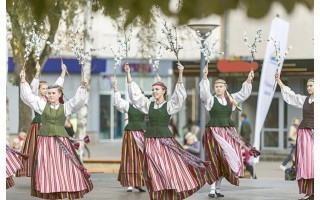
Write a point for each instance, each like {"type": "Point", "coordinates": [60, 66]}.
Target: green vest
{"type": "Point", "coordinates": [136, 120]}
{"type": "Point", "coordinates": [53, 122]}
{"type": "Point", "coordinates": [159, 122]}
{"type": "Point", "coordinates": [36, 119]}
{"type": "Point", "coordinates": [220, 115]}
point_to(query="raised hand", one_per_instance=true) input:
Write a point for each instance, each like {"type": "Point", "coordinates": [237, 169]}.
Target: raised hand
{"type": "Point", "coordinates": [250, 76]}
{"type": "Point", "coordinates": [22, 76]}
{"type": "Point", "coordinates": [158, 78]}
{"type": "Point", "coordinates": [115, 84]}
{"type": "Point", "coordinates": [180, 67]}
{"type": "Point", "coordinates": [205, 72]}
{"type": "Point", "coordinates": [84, 82]}
{"type": "Point", "coordinates": [127, 68]}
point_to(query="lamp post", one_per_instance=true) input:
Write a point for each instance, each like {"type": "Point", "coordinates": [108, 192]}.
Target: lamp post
{"type": "Point", "coordinates": [205, 31]}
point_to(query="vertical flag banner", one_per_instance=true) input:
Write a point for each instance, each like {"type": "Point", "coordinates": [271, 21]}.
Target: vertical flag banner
{"type": "Point", "coordinates": [279, 32]}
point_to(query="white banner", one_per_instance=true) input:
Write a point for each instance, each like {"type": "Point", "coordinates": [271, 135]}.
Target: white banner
{"type": "Point", "coordinates": [279, 32]}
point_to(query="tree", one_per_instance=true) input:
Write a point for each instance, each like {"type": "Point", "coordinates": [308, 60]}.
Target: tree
{"type": "Point", "coordinates": [22, 14]}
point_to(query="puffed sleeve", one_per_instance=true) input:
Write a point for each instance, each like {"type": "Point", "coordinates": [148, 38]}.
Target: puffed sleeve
{"type": "Point", "coordinates": [74, 104]}
{"type": "Point", "coordinates": [33, 101]}
{"type": "Point", "coordinates": [176, 101]}
{"type": "Point", "coordinates": [34, 86]}
{"type": "Point", "coordinates": [205, 94]}
{"type": "Point", "coordinates": [243, 94]}
{"type": "Point", "coordinates": [60, 81]}
{"type": "Point", "coordinates": [292, 98]}
{"type": "Point", "coordinates": [121, 104]}
{"type": "Point", "coordinates": [138, 99]}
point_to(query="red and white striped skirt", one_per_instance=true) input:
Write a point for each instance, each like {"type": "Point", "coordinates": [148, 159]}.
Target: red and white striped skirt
{"type": "Point", "coordinates": [28, 149]}
{"type": "Point", "coordinates": [13, 164]}
{"type": "Point", "coordinates": [131, 167]}
{"type": "Point", "coordinates": [305, 160]}
{"type": "Point", "coordinates": [54, 175]}
{"type": "Point", "coordinates": [169, 172]}
{"type": "Point", "coordinates": [224, 153]}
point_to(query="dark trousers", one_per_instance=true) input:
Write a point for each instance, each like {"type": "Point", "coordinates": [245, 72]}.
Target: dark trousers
{"type": "Point", "coordinates": [249, 168]}
{"type": "Point", "coordinates": [289, 156]}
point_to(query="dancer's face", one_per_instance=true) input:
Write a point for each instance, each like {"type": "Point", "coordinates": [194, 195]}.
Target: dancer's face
{"type": "Point", "coordinates": [158, 92]}
{"type": "Point", "coordinates": [310, 87]}
{"type": "Point", "coordinates": [53, 95]}
{"type": "Point", "coordinates": [43, 89]}
{"type": "Point", "coordinates": [220, 89]}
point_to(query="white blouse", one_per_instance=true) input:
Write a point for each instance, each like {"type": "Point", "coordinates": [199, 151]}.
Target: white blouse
{"type": "Point", "coordinates": [35, 84]}
{"type": "Point", "coordinates": [121, 104]}
{"type": "Point", "coordinates": [142, 103]}
{"type": "Point", "coordinates": [208, 100]}
{"type": "Point", "coordinates": [38, 104]}
{"type": "Point", "coordinates": [292, 98]}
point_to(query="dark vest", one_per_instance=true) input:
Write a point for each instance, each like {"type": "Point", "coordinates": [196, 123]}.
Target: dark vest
{"type": "Point", "coordinates": [220, 115]}
{"type": "Point", "coordinates": [158, 122]}
{"type": "Point", "coordinates": [53, 122]}
{"type": "Point", "coordinates": [308, 115]}
{"type": "Point", "coordinates": [136, 120]}
{"type": "Point", "coordinates": [37, 118]}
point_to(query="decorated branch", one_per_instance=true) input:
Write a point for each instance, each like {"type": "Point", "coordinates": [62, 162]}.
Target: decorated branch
{"type": "Point", "coordinates": [123, 47]}
{"type": "Point", "coordinates": [78, 49]}
{"type": "Point", "coordinates": [34, 40]}
{"type": "Point", "coordinates": [279, 58]}
{"type": "Point", "coordinates": [253, 47]}
{"type": "Point", "coordinates": [155, 62]}
{"type": "Point", "coordinates": [206, 48]}
{"type": "Point", "coordinates": [172, 38]}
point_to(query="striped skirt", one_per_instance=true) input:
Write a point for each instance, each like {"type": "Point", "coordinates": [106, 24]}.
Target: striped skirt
{"type": "Point", "coordinates": [13, 164]}
{"type": "Point", "coordinates": [170, 172]}
{"type": "Point", "coordinates": [224, 153]}
{"type": "Point", "coordinates": [130, 172]}
{"type": "Point", "coordinates": [28, 148]}
{"type": "Point", "coordinates": [305, 161]}
{"type": "Point", "coordinates": [55, 174]}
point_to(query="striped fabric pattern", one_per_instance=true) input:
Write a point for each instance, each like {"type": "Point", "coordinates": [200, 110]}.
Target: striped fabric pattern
{"type": "Point", "coordinates": [168, 176]}
{"type": "Point", "coordinates": [130, 172]}
{"type": "Point", "coordinates": [214, 153]}
{"type": "Point", "coordinates": [13, 163]}
{"type": "Point", "coordinates": [9, 182]}
{"type": "Point", "coordinates": [53, 175]}
{"type": "Point", "coordinates": [28, 148]}
{"type": "Point", "coordinates": [305, 161]}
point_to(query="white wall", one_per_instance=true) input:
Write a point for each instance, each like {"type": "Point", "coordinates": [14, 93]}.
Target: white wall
{"type": "Point", "coordinates": [300, 31]}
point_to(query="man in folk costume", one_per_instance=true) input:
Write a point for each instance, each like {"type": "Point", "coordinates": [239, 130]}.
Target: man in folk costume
{"type": "Point", "coordinates": [39, 88]}
{"type": "Point", "coordinates": [221, 143]}
{"type": "Point", "coordinates": [170, 172]}
{"type": "Point", "coordinates": [304, 158]}
{"type": "Point", "coordinates": [130, 172]}
{"type": "Point", "coordinates": [57, 172]}
{"type": "Point", "coordinates": [13, 164]}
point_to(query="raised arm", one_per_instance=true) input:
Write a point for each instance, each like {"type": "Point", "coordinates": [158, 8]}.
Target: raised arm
{"type": "Point", "coordinates": [245, 91]}
{"type": "Point", "coordinates": [205, 94]}
{"type": "Point", "coordinates": [35, 81]}
{"type": "Point", "coordinates": [30, 99]}
{"type": "Point", "coordinates": [290, 96]}
{"type": "Point", "coordinates": [121, 104]}
{"type": "Point", "coordinates": [140, 101]}
{"type": "Point", "coordinates": [60, 80]}
{"type": "Point", "coordinates": [179, 96]}
{"type": "Point", "coordinates": [74, 104]}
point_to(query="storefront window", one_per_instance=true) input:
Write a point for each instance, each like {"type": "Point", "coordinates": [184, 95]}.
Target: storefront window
{"type": "Point", "coordinates": [105, 117]}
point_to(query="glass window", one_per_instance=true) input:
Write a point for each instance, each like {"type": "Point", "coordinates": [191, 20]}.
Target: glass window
{"type": "Point", "coordinates": [105, 118]}
{"type": "Point", "coordinates": [271, 139]}
{"type": "Point", "coordinates": [119, 122]}
{"type": "Point", "coordinates": [272, 119]}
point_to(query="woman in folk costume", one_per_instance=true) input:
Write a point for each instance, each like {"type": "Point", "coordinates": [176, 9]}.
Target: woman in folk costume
{"type": "Point", "coordinates": [304, 158]}
{"type": "Point", "coordinates": [13, 164]}
{"type": "Point", "coordinates": [169, 171]}
{"type": "Point", "coordinates": [221, 142]}
{"type": "Point", "coordinates": [38, 88]}
{"type": "Point", "coordinates": [56, 170]}
{"type": "Point", "coordinates": [130, 172]}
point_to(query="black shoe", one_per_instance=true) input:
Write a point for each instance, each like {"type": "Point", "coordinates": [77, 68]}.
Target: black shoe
{"type": "Point", "coordinates": [211, 195]}
{"type": "Point", "coordinates": [140, 189]}
{"type": "Point", "coordinates": [219, 195]}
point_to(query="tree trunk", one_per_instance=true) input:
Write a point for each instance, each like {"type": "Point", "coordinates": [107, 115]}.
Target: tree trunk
{"type": "Point", "coordinates": [8, 125]}
{"type": "Point", "coordinates": [83, 112]}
